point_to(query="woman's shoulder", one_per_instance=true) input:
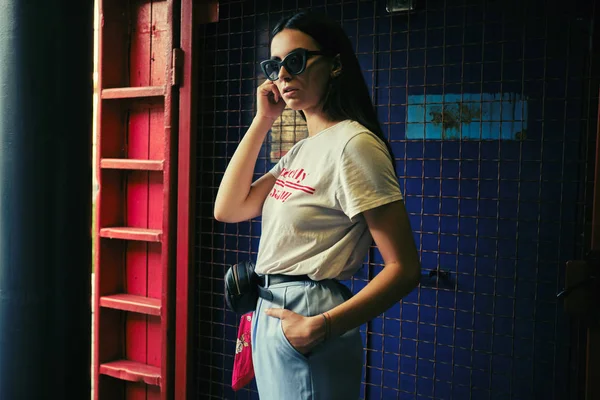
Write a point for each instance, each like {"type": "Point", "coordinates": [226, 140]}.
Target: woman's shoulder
{"type": "Point", "coordinates": [347, 130]}
{"type": "Point", "coordinates": [357, 135]}
{"type": "Point", "coordinates": [333, 143]}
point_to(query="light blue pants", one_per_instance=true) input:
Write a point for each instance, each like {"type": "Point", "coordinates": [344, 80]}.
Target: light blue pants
{"type": "Point", "coordinates": [332, 370]}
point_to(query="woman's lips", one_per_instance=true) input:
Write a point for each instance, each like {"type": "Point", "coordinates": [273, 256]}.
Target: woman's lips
{"type": "Point", "coordinates": [290, 93]}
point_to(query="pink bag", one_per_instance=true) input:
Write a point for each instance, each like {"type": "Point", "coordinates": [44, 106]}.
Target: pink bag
{"type": "Point", "coordinates": [243, 370]}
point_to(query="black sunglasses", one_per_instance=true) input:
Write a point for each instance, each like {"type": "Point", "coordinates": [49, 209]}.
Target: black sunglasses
{"type": "Point", "coordinates": [294, 63]}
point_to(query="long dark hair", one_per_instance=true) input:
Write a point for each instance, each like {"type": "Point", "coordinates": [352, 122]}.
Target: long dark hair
{"type": "Point", "coordinates": [348, 96]}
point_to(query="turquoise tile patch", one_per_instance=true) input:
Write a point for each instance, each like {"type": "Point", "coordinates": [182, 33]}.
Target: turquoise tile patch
{"type": "Point", "coordinates": [473, 116]}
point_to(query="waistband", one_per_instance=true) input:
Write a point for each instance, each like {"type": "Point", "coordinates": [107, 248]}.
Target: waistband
{"type": "Point", "coordinates": [274, 279]}
{"type": "Point", "coordinates": [265, 281]}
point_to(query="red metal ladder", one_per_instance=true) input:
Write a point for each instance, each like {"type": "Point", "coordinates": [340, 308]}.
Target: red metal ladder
{"type": "Point", "coordinates": [136, 164]}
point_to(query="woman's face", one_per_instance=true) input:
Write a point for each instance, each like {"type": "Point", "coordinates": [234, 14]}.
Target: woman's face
{"type": "Point", "coordinates": [303, 91]}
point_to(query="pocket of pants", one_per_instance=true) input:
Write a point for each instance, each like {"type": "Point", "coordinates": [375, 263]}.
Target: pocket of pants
{"type": "Point", "coordinates": [287, 343]}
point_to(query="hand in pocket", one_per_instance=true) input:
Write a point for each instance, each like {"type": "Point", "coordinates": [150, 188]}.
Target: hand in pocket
{"type": "Point", "coordinates": [303, 333]}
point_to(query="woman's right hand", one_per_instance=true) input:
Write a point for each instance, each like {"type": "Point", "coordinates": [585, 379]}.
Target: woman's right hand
{"type": "Point", "coordinates": [269, 102]}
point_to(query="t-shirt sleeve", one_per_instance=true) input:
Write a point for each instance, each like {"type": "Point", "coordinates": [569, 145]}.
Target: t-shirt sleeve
{"type": "Point", "coordinates": [366, 176]}
{"type": "Point", "coordinates": [276, 170]}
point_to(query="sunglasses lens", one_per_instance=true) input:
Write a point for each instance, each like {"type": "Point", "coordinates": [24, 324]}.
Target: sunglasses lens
{"type": "Point", "coordinates": [271, 69]}
{"type": "Point", "coordinates": [294, 63]}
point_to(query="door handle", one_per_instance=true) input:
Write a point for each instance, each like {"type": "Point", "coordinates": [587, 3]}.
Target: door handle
{"type": "Point", "coordinates": [567, 291]}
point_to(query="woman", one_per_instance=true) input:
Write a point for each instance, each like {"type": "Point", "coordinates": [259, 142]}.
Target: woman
{"type": "Point", "coordinates": [322, 206]}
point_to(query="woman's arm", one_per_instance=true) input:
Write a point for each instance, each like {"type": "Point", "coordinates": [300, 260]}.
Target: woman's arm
{"type": "Point", "coordinates": [390, 228]}
{"type": "Point", "coordinates": [238, 199]}
{"type": "Point", "coordinates": [391, 231]}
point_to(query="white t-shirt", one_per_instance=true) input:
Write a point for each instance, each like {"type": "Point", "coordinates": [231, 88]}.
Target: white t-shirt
{"type": "Point", "coordinates": [311, 221]}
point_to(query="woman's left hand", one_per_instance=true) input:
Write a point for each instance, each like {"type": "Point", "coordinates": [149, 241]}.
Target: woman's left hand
{"type": "Point", "coordinates": [303, 333]}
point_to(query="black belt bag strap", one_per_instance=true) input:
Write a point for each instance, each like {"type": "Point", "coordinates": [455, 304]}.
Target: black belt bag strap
{"type": "Point", "coordinates": [242, 288]}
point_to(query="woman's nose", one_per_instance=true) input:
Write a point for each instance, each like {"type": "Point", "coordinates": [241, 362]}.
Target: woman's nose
{"type": "Point", "coordinates": [284, 74]}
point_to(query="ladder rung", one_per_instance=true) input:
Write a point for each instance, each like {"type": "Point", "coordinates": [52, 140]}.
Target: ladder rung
{"type": "Point", "coordinates": [126, 233]}
{"type": "Point", "coordinates": [132, 371]}
{"type": "Point", "coordinates": [133, 92]}
{"type": "Point", "coordinates": [124, 163]}
{"type": "Point", "coordinates": [133, 303]}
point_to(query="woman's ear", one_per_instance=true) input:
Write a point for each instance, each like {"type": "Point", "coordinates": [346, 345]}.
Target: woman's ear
{"type": "Point", "coordinates": [336, 68]}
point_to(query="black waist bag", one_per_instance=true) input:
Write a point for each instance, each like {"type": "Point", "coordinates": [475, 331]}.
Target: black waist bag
{"type": "Point", "coordinates": [242, 287]}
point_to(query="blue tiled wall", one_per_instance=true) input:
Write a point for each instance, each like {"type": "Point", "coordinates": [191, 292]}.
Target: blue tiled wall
{"type": "Point", "coordinates": [501, 217]}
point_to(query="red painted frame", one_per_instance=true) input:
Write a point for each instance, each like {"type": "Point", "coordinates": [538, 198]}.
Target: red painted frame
{"type": "Point", "coordinates": [185, 201]}
{"type": "Point", "coordinates": [169, 193]}
{"type": "Point", "coordinates": [135, 210]}
{"type": "Point", "coordinates": [177, 198]}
